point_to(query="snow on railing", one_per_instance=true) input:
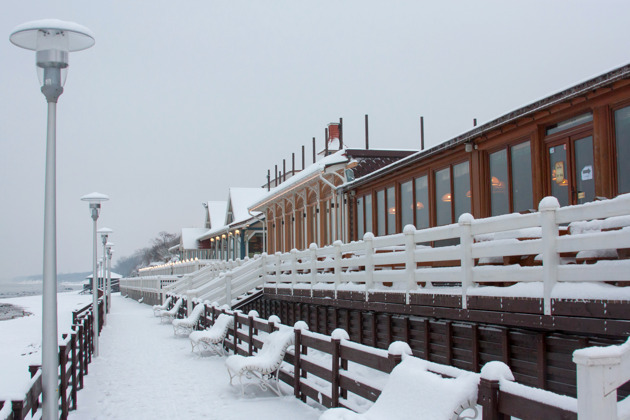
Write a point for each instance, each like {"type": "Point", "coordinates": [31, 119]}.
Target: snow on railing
{"type": "Point", "coordinates": [535, 247]}
{"type": "Point", "coordinates": [600, 371]}
{"type": "Point", "coordinates": [173, 268]}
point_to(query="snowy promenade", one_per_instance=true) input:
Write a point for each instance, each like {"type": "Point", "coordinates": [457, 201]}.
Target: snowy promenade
{"type": "Point", "coordinates": [144, 372]}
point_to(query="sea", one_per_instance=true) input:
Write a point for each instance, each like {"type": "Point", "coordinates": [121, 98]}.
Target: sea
{"type": "Point", "coordinates": [32, 285]}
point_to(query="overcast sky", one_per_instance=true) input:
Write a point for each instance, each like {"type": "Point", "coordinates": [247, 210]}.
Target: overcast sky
{"type": "Point", "coordinates": [178, 101]}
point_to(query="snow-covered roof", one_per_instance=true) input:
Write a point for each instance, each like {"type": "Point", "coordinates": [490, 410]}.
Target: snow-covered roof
{"type": "Point", "coordinates": [211, 233]}
{"type": "Point", "coordinates": [240, 200]}
{"type": "Point", "coordinates": [216, 212]}
{"type": "Point", "coordinates": [308, 173]}
{"type": "Point", "coordinates": [189, 237]}
{"type": "Point", "coordinates": [114, 276]}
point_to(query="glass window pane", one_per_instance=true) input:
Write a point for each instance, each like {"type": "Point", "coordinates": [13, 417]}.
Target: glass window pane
{"type": "Point", "coordinates": [584, 177]}
{"type": "Point", "coordinates": [559, 173]}
{"type": "Point", "coordinates": [522, 194]}
{"type": "Point", "coordinates": [422, 202]}
{"type": "Point", "coordinates": [380, 213]}
{"type": "Point", "coordinates": [443, 197]}
{"type": "Point", "coordinates": [368, 213]}
{"type": "Point", "coordinates": [622, 138]}
{"type": "Point", "coordinates": [571, 122]}
{"type": "Point", "coordinates": [391, 210]}
{"type": "Point", "coordinates": [499, 197]}
{"type": "Point", "coordinates": [406, 204]}
{"type": "Point", "coordinates": [360, 218]}
{"type": "Point", "coordinates": [461, 185]}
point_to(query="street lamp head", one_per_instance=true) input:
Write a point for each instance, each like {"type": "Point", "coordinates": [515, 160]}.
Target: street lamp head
{"type": "Point", "coordinates": [105, 232]}
{"type": "Point", "coordinates": [95, 200]}
{"type": "Point", "coordinates": [52, 40]}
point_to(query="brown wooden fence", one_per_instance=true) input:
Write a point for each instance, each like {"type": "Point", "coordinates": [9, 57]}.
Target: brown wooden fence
{"type": "Point", "coordinates": [75, 354]}
{"type": "Point", "coordinates": [333, 385]}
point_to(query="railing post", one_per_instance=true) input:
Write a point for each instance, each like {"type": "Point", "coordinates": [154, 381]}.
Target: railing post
{"type": "Point", "coordinates": [551, 259]}
{"type": "Point", "coordinates": [228, 289]}
{"type": "Point", "coordinates": [313, 249]}
{"type": "Point", "coordinates": [82, 358]}
{"type": "Point", "coordinates": [410, 260]}
{"type": "Point", "coordinates": [334, 394]}
{"type": "Point", "coordinates": [368, 239]}
{"type": "Point", "coordinates": [596, 389]}
{"type": "Point", "coordinates": [296, 362]}
{"type": "Point", "coordinates": [250, 335]}
{"type": "Point", "coordinates": [293, 269]}
{"type": "Point", "coordinates": [467, 263]}
{"type": "Point", "coordinates": [73, 371]}
{"type": "Point", "coordinates": [337, 262]}
{"type": "Point", "coordinates": [278, 262]}
{"type": "Point", "coordinates": [63, 378]}
{"type": "Point", "coordinates": [263, 263]}
{"type": "Point", "coordinates": [489, 399]}
{"type": "Point", "coordinates": [235, 332]}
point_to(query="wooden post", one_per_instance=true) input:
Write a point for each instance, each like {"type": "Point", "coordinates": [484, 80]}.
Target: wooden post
{"type": "Point", "coordinates": [368, 238]}
{"type": "Point", "coordinates": [73, 371]}
{"type": "Point", "coordinates": [82, 358]}
{"type": "Point", "coordinates": [63, 377]}
{"type": "Point", "coordinates": [293, 269]}
{"type": "Point", "coordinates": [313, 249]}
{"type": "Point", "coordinates": [467, 263]}
{"type": "Point", "coordinates": [489, 400]}
{"type": "Point", "coordinates": [235, 332]}
{"type": "Point", "coordinates": [410, 260]}
{"type": "Point", "coordinates": [551, 259]}
{"type": "Point", "coordinates": [296, 362]}
{"type": "Point", "coordinates": [337, 267]}
{"type": "Point", "coordinates": [250, 336]}
{"type": "Point", "coordinates": [336, 344]}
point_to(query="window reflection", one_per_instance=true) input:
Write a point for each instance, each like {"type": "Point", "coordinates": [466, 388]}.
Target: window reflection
{"type": "Point", "coordinates": [406, 204]}
{"type": "Point", "coordinates": [391, 210]}
{"type": "Point", "coordinates": [622, 139]}
{"type": "Point", "coordinates": [422, 202]}
{"type": "Point", "coordinates": [443, 197]}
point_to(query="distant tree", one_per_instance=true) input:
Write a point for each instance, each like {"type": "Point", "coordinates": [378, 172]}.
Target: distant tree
{"type": "Point", "coordinates": [157, 252]}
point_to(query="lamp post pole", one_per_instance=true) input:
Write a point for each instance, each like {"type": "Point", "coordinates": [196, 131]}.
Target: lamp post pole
{"type": "Point", "coordinates": [105, 232]}
{"type": "Point", "coordinates": [52, 40]}
{"type": "Point", "coordinates": [110, 251]}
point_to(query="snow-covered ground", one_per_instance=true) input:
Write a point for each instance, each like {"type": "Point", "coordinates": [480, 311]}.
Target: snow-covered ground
{"type": "Point", "coordinates": [21, 341]}
{"type": "Point", "coordinates": [144, 372]}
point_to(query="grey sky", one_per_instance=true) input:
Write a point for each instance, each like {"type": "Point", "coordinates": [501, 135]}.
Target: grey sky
{"type": "Point", "coordinates": [177, 101]}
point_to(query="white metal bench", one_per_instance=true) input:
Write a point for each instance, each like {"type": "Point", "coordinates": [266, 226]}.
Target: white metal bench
{"type": "Point", "coordinates": [263, 368]}
{"type": "Point", "coordinates": [157, 309]}
{"type": "Point", "coordinates": [426, 395]}
{"type": "Point", "coordinates": [187, 325]}
{"type": "Point", "coordinates": [168, 316]}
{"type": "Point", "coordinates": [212, 339]}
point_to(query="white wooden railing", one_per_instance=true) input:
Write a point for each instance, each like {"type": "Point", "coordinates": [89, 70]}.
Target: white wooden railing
{"type": "Point", "coordinates": [600, 372]}
{"type": "Point", "coordinates": [406, 263]}
{"type": "Point", "coordinates": [174, 268]}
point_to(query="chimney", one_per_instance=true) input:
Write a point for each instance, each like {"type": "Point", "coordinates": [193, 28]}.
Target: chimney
{"type": "Point", "coordinates": [334, 132]}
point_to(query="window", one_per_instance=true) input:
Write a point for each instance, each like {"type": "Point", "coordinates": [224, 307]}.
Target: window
{"type": "Point", "coordinates": [391, 210]}
{"type": "Point", "coordinates": [380, 213]}
{"type": "Point", "coordinates": [511, 179]}
{"type": "Point", "coordinates": [622, 142]}
{"type": "Point", "coordinates": [368, 213]}
{"type": "Point", "coordinates": [422, 202]}
{"type": "Point", "coordinates": [452, 199]}
{"type": "Point", "coordinates": [360, 218]}
{"type": "Point", "coordinates": [406, 204]}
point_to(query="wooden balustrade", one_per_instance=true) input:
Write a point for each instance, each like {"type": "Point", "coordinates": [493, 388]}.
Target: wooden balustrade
{"type": "Point", "coordinates": [75, 354]}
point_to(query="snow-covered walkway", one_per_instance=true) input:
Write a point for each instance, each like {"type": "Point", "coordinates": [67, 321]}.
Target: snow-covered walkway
{"type": "Point", "coordinates": [144, 372]}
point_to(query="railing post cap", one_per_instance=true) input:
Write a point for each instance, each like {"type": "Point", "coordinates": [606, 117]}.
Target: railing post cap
{"type": "Point", "coordinates": [253, 314]}
{"type": "Point", "coordinates": [339, 334]}
{"type": "Point", "coordinates": [275, 319]}
{"type": "Point", "coordinates": [312, 246]}
{"type": "Point", "coordinates": [466, 219]}
{"type": "Point", "coordinates": [409, 229]}
{"type": "Point", "coordinates": [548, 203]}
{"type": "Point", "coordinates": [337, 243]}
{"type": "Point", "coordinates": [293, 251]}
{"type": "Point", "coordinates": [495, 371]}
{"type": "Point", "coordinates": [264, 254]}
{"type": "Point", "coordinates": [368, 236]}
{"type": "Point", "coordinates": [398, 348]}
{"type": "Point", "coordinates": [278, 253]}
{"type": "Point", "coordinates": [301, 325]}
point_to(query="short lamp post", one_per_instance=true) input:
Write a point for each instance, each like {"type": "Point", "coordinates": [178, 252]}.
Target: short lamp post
{"type": "Point", "coordinates": [105, 232]}
{"type": "Point", "coordinates": [110, 252]}
{"type": "Point", "coordinates": [52, 40]}
{"type": "Point", "coordinates": [95, 199]}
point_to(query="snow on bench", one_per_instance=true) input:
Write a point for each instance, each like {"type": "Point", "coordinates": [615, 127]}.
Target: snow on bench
{"type": "Point", "coordinates": [412, 392]}
{"type": "Point", "coordinates": [187, 325]}
{"type": "Point", "coordinates": [212, 339]}
{"type": "Point", "coordinates": [264, 367]}
{"type": "Point", "coordinates": [169, 315]}
{"type": "Point", "coordinates": [157, 309]}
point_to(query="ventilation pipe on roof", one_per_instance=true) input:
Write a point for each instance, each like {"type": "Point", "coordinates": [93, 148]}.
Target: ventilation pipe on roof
{"type": "Point", "coordinates": [284, 170]}
{"type": "Point", "coordinates": [421, 133]}
{"type": "Point", "coordinates": [292, 163]}
{"type": "Point", "coordinates": [275, 182]}
{"type": "Point", "coordinates": [303, 157]}
{"type": "Point", "coordinates": [340, 133]}
{"type": "Point", "coordinates": [474, 122]}
{"type": "Point", "coordinates": [268, 179]}
{"type": "Point", "coordinates": [326, 142]}
{"type": "Point", "coordinates": [314, 152]}
{"type": "Point", "coordinates": [367, 137]}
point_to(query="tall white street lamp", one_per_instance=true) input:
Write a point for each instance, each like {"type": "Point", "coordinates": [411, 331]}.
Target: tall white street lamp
{"type": "Point", "coordinates": [95, 199]}
{"type": "Point", "coordinates": [104, 232]}
{"type": "Point", "coordinates": [110, 252]}
{"type": "Point", "coordinates": [52, 40]}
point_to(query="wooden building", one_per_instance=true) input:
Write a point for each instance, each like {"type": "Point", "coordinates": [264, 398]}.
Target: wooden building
{"type": "Point", "coordinates": [308, 206]}
{"type": "Point", "coordinates": [574, 145]}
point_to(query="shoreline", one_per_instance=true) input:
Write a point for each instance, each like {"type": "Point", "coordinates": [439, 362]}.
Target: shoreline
{"type": "Point", "coordinates": [9, 311]}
